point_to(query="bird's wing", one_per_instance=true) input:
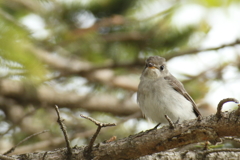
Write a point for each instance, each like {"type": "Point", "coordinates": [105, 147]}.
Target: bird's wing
{"type": "Point", "coordinates": [178, 86]}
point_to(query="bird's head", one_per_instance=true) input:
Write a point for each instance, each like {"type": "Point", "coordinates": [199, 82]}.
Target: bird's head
{"type": "Point", "coordinates": [155, 68]}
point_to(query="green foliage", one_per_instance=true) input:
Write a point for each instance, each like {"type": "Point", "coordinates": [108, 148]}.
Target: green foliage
{"type": "Point", "coordinates": [104, 8]}
{"type": "Point", "coordinates": [197, 88]}
{"type": "Point", "coordinates": [216, 3]}
{"type": "Point", "coordinates": [15, 48]}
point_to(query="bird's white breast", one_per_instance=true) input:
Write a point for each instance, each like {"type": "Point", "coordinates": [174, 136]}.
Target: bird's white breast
{"type": "Point", "coordinates": [157, 99]}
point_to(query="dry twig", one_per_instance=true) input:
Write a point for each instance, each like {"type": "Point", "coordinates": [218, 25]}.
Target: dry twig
{"type": "Point", "coordinates": [220, 105]}
{"type": "Point", "coordinates": [192, 51]}
{"type": "Point", "coordinates": [100, 125]}
{"type": "Point", "coordinates": [13, 148]}
{"type": "Point", "coordinates": [169, 121]}
{"type": "Point", "coordinates": [69, 151]}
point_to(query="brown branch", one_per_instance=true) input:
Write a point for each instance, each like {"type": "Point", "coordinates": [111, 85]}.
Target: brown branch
{"type": "Point", "coordinates": [4, 157]}
{"type": "Point", "coordinates": [63, 64]}
{"type": "Point", "coordinates": [97, 122]}
{"type": "Point", "coordinates": [27, 138]}
{"type": "Point", "coordinates": [54, 142]}
{"type": "Point", "coordinates": [147, 143]}
{"type": "Point", "coordinates": [47, 96]}
{"type": "Point", "coordinates": [192, 51]}
{"type": "Point", "coordinates": [73, 66]}
{"type": "Point", "coordinates": [63, 128]}
{"type": "Point", "coordinates": [88, 149]}
{"type": "Point", "coordinates": [69, 66]}
{"type": "Point", "coordinates": [108, 77]}
{"type": "Point", "coordinates": [220, 105]}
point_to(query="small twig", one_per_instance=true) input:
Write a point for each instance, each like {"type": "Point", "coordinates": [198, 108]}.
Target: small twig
{"type": "Point", "coordinates": [192, 51]}
{"type": "Point", "coordinates": [100, 125]}
{"type": "Point", "coordinates": [44, 156]}
{"type": "Point", "coordinates": [220, 105]}
{"type": "Point", "coordinates": [69, 151]}
{"type": "Point", "coordinates": [4, 157]}
{"type": "Point", "coordinates": [169, 121]}
{"type": "Point", "coordinates": [97, 122]}
{"type": "Point", "coordinates": [13, 148]}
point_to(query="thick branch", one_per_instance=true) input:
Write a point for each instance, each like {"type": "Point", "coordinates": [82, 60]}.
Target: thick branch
{"type": "Point", "coordinates": [145, 143]}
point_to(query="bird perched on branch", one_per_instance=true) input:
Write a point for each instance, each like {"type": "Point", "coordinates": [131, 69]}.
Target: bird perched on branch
{"type": "Point", "coordinates": [160, 93]}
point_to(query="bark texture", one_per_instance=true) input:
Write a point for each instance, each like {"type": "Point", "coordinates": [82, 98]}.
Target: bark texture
{"type": "Point", "coordinates": [210, 128]}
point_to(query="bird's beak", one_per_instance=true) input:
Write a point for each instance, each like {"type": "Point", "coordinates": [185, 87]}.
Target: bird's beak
{"type": "Point", "coordinates": [150, 65]}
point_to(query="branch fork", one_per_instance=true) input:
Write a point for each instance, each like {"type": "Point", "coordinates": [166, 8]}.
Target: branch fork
{"type": "Point", "coordinates": [100, 125]}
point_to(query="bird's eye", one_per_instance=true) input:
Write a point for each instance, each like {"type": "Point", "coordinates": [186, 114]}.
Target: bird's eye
{"type": "Point", "coordinates": [162, 67]}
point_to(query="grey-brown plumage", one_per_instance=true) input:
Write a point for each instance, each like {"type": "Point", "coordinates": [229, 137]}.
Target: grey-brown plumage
{"type": "Point", "coordinates": [160, 94]}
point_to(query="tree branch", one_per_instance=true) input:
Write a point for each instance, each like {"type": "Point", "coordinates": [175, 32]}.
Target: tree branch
{"type": "Point", "coordinates": [47, 96]}
{"type": "Point", "coordinates": [63, 128]}
{"type": "Point", "coordinates": [24, 140]}
{"type": "Point", "coordinates": [70, 66]}
{"type": "Point", "coordinates": [88, 149]}
{"type": "Point", "coordinates": [86, 69]}
{"type": "Point", "coordinates": [220, 105]}
{"type": "Point", "coordinates": [146, 143]}
{"type": "Point", "coordinates": [170, 122]}
{"type": "Point", "coordinates": [192, 51]}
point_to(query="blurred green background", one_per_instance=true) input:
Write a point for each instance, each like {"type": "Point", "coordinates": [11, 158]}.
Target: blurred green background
{"type": "Point", "coordinates": [86, 56]}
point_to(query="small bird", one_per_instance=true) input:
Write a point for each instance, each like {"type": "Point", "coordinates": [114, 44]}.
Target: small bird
{"type": "Point", "coordinates": [160, 93]}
